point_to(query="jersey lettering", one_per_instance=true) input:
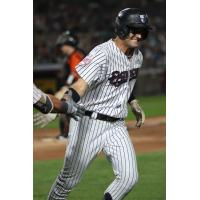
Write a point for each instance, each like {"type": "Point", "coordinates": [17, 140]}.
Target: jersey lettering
{"type": "Point", "coordinates": [119, 78]}
{"type": "Point", "coordinates": [110, 77]}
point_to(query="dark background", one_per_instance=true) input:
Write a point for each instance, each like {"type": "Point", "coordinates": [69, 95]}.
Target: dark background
{"type": "Point", "coordinates": [93, 22]}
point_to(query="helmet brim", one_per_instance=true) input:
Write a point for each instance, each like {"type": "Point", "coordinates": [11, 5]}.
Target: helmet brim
{"type": "Point", "coordinates": [140, 26]}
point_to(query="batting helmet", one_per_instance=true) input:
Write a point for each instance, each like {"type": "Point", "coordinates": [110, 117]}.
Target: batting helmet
{"type": "Point", "coordinates": [67, 38]}
{"type": "Point", "coordinates": [131, 20]}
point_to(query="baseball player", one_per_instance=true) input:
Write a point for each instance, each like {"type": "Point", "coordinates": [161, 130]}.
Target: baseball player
{"type": "Point", "coordinates": [67, 43]}
{"type": "Point", "coordinates": [105, 87]}
{"type": "Point", "coordinates": [47, 103]}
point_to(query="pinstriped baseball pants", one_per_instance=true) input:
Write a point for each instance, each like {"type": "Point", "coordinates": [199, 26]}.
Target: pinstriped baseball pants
{"type": "Point", "coordinates": [87, 138]}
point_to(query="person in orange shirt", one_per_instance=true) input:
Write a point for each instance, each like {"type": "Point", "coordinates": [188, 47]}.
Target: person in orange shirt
{"type": "Point", "coordinates": [67, 43]}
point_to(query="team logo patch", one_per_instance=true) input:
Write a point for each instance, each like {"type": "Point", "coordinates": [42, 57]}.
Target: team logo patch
{"type": "Point", "coordinates": [87, 60]}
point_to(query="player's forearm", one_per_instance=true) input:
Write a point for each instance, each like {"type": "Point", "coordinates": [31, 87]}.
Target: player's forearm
{"type": "Point", "coordinates": [80, 86]}
{"type": "Point", "coordinates": [58, 106]}
{"type": "Point", "coordinates": [59, 94]}
{"type": "Point", "coordinates": [76, 91]}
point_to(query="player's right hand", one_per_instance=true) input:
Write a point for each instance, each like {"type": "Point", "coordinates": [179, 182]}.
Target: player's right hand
{"type": "Point", "coordinates": [42, 120]}
{"type": "Point", "coordinates": [74, 110]}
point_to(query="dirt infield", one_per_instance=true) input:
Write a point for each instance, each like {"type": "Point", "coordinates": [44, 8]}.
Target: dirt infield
{"type": "Point", "coordinates": [151, 137]}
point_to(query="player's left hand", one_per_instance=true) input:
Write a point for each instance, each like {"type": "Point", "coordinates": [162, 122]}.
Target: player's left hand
{"type": "Point", "coordinates": [42, 120]}
{"type": "Point", "coordinates": [138, 112]}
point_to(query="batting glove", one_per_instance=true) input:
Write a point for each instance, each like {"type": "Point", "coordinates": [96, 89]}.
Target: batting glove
{"type": "Point", "coordinates": [73, 109]}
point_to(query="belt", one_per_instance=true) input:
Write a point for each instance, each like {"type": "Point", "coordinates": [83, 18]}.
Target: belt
{"type": "Point", "coordinates": [103, 117]}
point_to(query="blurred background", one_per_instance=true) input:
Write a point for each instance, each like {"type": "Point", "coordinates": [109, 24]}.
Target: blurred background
{"type": "Point", "coordinates": [93, 23]}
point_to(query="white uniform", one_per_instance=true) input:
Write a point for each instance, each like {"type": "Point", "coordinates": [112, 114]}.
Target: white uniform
{"type": "Point", "coordinates": [37, 94]}
{"type": "Point", "coordinates": [111, 77]}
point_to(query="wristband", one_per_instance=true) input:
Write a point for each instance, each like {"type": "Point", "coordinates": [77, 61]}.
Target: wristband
{"type": "Point", "coordinates": [74, 94]}
{"type": "Point", "coordinates": [44, 107]}
{"type": "Point", "coordinates": [131, 98]}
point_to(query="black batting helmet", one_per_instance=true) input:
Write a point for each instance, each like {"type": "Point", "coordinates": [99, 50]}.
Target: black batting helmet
{"type": "Point", "coordinates": [67, 38]}
{"type": "Point", "coordinates": [131, 20]}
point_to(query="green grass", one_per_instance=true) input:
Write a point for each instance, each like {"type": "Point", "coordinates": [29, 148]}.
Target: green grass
{"type": "Point", "coordinates": [99, 175]}
{"type": "Point", "coordinates": [152, 105]}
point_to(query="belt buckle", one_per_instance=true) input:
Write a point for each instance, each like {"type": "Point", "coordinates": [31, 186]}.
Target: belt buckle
{"type": "Point", "coordinates": [94, 115]}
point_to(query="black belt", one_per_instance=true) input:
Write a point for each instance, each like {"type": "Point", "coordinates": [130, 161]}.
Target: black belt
{"type": "Point", "coordinates": [101, 116]}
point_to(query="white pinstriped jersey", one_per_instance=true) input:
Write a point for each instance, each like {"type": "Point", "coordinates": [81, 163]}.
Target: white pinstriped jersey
{"type": "Point", "coordinates": [111, 77]}
{"type": "Point", "coordinates": [37, 94]}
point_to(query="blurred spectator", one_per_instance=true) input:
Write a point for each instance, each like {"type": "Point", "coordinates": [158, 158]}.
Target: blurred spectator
{"type": "Point", "coordinates": [90, 20]}
{"type": "Point", "coordinates": [67, 43]}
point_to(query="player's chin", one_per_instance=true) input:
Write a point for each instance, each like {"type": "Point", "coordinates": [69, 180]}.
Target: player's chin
{"type": "Point", "coordinates": [135, 43]}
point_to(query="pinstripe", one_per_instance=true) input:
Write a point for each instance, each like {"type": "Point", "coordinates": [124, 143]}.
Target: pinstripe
{"type": "Point", "coordinates": [109, 97]}
{"type": "Point", "coordinates": [80, 168]}
{"type": "Point", "coordinates": [73, 162]}
{"type": "Point", "coordinates": [123, 189]}
{"type": "Point", "coordinates": [57, 188]}
{"type": "Point", "coordinates": [119, 147]}
{"type": "Point", "coordinates": [93, 66]}
{"type": "Point", "coordinates": [115, 140]}
{"type": "Point", "coordinates": [109, 91]}
{"type": "Point", "coordinates": [133, 161]}
{"type": "Point", "coordinates": [114, 67]}
{"type": "Point", "coordinates": [90, 144]}
{"type": "Point", "coordinates": [86, 152]}
{"type": "Point", "coordinates": [114, 162]}
{"type": "Point", "coordinates": [92, 71]}
{"type": "Point", "coordinates": [115, 165]}
{"type": "Point", "coordinates": [83, 154]}
{"type": "Point", "coordinates": [90, 76]}
{"type": "Point", "coordinates": [36, 94]}
{"type": "Point", "coordinates": [80, 69]}
{"type": "Point", "coordinates": [76, 158]}
{"type": "Point", "coordinates": [91, 97]}
{"type": "Point", "coordinates": [110, 81]}
{"type": "Point", "coordinates": [118, 184]}
{"type": "Point", "coordinates": [119, 64]}
{"type": "Point", "coordinates": [93, 153]}
{"type": "Point", "coordinates": [133, 158]}
{"type": "Point", "coordinates": [101, 95]}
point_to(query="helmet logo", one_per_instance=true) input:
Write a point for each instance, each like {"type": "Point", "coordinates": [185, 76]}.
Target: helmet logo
{"type": "Point", "coordinates": [143, 18]}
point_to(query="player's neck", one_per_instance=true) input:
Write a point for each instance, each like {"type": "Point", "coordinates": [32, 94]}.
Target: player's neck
{"type": "Point", "coordinates": [120, 44]}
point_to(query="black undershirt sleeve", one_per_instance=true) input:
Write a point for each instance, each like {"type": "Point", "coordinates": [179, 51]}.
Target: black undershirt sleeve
{"type": "Point", "coordinates": [132, 96]}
